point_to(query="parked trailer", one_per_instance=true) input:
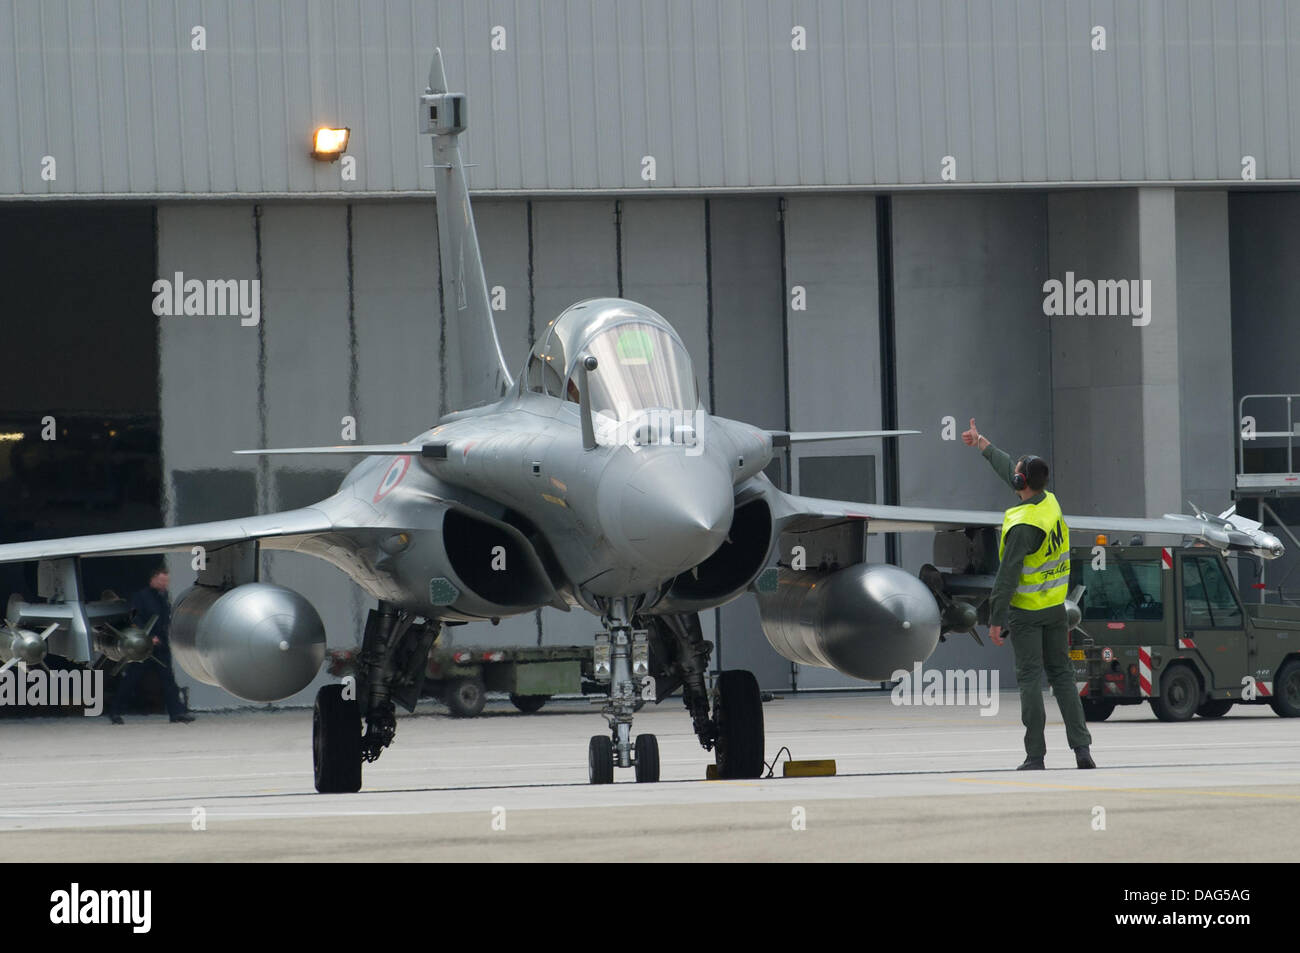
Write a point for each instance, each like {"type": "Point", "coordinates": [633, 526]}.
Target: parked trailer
{"type": "Point", "coordinates": [461, 676]}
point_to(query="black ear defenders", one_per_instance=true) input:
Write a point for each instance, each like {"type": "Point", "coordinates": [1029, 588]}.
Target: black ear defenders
{"type": "Point", "coordinates": [1020, 479]}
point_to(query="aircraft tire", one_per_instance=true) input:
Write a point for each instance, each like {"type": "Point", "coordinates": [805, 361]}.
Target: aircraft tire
{"type": "Point", "coordinates": [336, 742]}
{"type": "Point", "coordinates": [738, 713]}
{"type": "Point", "coordinates": [647, 759]}
{"type": "Point", "coordinates": [600, 760]}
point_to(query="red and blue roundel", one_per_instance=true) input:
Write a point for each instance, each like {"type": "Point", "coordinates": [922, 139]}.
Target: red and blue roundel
{"type": "Point", "coordinates": [396, 470]}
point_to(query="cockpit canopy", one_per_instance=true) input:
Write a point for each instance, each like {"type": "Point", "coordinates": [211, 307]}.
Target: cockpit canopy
{"type": "Point", "coordinates": [642, 364]}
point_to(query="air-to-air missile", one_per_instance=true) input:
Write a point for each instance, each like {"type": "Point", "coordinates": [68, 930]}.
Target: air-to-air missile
{"type": "Point", "coordinates": [23, 645]}
{"type": "Point", "coordinates": [130, 644]}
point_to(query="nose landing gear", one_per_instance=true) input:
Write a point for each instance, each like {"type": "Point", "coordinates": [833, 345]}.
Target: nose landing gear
{"type": "Point", "coordinates": [734, 730]}
{"type": "Point", "coordinates": [622, 659]}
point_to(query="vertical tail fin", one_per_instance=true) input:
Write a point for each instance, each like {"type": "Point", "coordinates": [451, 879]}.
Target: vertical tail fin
{"type": "Point", "coordinates": [483, 372]}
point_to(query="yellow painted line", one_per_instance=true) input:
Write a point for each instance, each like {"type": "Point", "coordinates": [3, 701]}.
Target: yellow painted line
{"type": "Point", "coordinates": [1089, 787]}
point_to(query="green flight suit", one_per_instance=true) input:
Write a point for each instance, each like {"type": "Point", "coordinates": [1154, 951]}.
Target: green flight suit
{"type": "Point", "coordinates": [1039, 637]}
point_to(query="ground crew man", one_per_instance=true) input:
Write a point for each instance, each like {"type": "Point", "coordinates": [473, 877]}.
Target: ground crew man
{"type": "Point", "coordinates": [1028, 599]}
{"type": "Point", "coordinates": [148, 603]}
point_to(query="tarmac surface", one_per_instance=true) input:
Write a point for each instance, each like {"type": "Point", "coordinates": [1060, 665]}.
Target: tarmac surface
{"type": "Point", "coordinates": [913, 784]}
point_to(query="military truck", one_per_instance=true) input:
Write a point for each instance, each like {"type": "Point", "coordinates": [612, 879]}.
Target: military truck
{"type": "Point", "coordinates": [1166, 625]}
{"type": "Point", "coordinates": [460, 677]}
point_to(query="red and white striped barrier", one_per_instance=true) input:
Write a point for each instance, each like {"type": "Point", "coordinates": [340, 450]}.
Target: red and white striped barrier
{"type": "Point", "coordinates": [1144, 669]}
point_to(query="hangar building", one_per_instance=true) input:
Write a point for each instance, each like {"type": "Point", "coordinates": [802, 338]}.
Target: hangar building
{"type": "Point", "coordinates": [849, 210]}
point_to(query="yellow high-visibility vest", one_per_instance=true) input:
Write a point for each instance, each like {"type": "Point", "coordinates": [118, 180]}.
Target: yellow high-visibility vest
{"type": "Point", "coordinates": [1045, 575]}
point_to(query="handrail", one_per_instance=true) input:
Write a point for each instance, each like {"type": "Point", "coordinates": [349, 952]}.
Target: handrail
{"type": "Point", "coordinates": [1290, 433]}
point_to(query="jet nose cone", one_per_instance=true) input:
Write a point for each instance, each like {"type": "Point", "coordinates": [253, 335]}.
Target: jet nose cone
{"type": "Point", "coordinates": [676, 511]}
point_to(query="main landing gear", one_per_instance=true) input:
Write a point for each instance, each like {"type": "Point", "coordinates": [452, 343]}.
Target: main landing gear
{"type": "Point", "coordinates": [734, 729]}
{"type": "Point", "coordinates": [390, 670]}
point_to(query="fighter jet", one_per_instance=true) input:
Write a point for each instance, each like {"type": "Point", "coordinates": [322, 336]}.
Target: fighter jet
{"type": "Point", "coordinates": [595, 481]}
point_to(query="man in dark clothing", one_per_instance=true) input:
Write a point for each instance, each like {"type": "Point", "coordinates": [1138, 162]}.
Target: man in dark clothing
{"type": "Point", "coordinates": [150, 602]}
{"type": "Point", "coordinates": [1028, 599]}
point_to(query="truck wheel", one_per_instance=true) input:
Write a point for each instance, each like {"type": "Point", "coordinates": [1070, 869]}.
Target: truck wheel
{"type": "Point", "coordinates": [466, 697]}
{"type": "Point", "coordinates": [529, 703]}
{"type": "Point", "coordinates": [1180, 694]}
{"type": "Point", "coordinates": [1215, 708]}
{"type": "Point", "coordinates": [336, 742]}
{"type": "Point", "coordinates": [600, 760]}
{"type": "Point", "coordinates": [1286, 690]}
{"type": "Point", "coordinates": [738, 713]}
{"type": "Point", "coordinates": [1097, 709]}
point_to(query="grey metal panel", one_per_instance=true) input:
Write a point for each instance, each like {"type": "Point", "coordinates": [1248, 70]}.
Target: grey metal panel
{"type": "Point", "coordinates": [574, 255]}
{"type": "Point", "coordinates": [503, 237]}
{"type": "Point", "coordinates": [831, 255]}
{"type": "Point", "coordinates": [395, 288]}
{"type": "Point", "coordinates": [207, 363]}
{"type": "Point", "coordinates": [749, 380]}
{"type": "Point", "coordinates": [665, 268]}
{"type": "Point", "coordinates": [304, 310]}
{"type": "Point", "coordinates": [713, 90]}
{"type": "Point", "coordinates": [1096, 362]}
{"type": "Point", "coordinates": [1204, 326]}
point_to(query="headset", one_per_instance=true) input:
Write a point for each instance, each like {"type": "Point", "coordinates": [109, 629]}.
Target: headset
{"type": "Point", "coordinates": [1018, 480]}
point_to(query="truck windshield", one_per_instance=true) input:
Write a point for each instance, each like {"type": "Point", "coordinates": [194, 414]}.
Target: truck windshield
{"type": "Point", "coordinates": [1126, 590]}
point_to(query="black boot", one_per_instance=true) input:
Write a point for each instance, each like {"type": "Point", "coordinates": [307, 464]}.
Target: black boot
{"type": "Point", "coordinates": [1032, 764]}
{"type": "Point", "coordinates": [1083, 757]}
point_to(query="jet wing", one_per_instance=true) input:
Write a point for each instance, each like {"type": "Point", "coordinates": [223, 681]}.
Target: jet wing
{"type": "Point", "coordinates": [291, 523]}
{"type": "Point", "coordinates": [798, 513]}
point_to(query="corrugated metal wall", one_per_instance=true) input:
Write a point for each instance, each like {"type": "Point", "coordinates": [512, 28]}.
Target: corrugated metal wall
{"type": "Point", "coordinates": [584, 89]}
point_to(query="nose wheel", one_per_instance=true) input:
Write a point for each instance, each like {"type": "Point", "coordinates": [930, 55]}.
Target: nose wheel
{"type": "Point", "coordinates": [646, 760]}
{"type": "Point", "coordinates": [600, 759]}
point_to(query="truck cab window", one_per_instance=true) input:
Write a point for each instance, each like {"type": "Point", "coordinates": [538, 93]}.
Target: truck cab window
{"type": "Point", "coordinates": [1208, 599]}
{"type": "Point", "coordinates": [1127, 590]}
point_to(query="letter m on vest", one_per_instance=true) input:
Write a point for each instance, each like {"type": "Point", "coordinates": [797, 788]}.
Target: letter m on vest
{"type": "Point", "coordinates": [1056, 537]}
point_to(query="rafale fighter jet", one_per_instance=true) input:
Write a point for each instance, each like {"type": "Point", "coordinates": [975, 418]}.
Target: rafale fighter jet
{"type": "Point", "coordinates": [595, 481]}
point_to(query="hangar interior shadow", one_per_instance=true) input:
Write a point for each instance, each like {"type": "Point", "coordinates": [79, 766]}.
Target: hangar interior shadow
{"type": "Point", "coordinates": [82, 368]}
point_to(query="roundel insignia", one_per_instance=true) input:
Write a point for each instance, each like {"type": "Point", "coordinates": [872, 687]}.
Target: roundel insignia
{"type": "Point", "coordinates": [396, 470]}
